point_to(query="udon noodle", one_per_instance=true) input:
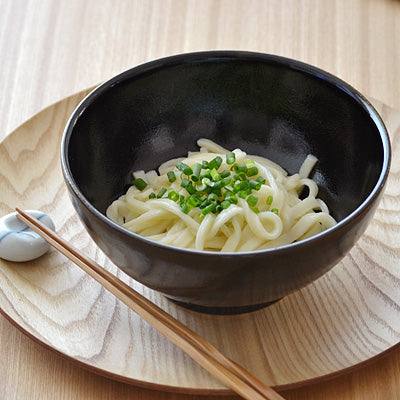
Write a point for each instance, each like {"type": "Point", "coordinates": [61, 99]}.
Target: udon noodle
{"type": "Point", "coordinates": [258, 207]}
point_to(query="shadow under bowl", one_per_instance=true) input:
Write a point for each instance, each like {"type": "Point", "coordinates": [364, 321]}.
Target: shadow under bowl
{"type": "Point", "coordinates": [266, 105]}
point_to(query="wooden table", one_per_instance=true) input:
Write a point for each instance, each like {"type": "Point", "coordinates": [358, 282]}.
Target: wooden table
{"type": "Point", "coordinates": [50, 49]}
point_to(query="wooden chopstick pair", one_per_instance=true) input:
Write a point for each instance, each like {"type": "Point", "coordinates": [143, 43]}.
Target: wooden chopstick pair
{"type": "Point", "coordinates": [205, 354]}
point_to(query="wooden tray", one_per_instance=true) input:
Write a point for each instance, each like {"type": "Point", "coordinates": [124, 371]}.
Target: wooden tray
{"type": "Point", "coordinates": [347, 318]}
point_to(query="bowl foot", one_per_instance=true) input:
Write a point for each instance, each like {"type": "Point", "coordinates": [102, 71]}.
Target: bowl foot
{"type": "Point", "coordinates": [223, 310]}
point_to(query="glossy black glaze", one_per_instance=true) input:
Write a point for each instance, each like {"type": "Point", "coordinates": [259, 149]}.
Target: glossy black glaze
{"type": "Point", "coordinates": [266, 105]}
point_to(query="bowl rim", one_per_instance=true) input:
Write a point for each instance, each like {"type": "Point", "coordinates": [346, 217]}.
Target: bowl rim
{"type": "Point", "coordinates": [229, 55]}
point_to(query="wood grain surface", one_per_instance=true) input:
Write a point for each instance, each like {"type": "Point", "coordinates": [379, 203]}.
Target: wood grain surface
{"type": "Point", "coordinates": [51, 49]}
{"type": "Point", "coordinates": [347, 317]}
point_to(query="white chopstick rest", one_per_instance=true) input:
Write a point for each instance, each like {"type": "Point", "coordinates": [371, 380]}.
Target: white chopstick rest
{"type": "Point", "coordinates": [20, 243]}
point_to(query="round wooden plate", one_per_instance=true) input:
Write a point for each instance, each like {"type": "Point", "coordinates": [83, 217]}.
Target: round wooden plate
{"type": "Point", "coordinates": [348, 317]}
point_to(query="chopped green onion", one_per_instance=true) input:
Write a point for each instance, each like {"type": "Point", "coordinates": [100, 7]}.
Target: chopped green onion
{"type": "Point", "coordinates": [215, 163]}
{"type": "Point", "coordinates": [152, 195]}
{"type": "Point", "coordinates": [204, 204]}
{"type": "Point", "coordinates": [185, 208]}
{"type": "Point", "coordinates": [184, 168]}
{"type": "Point", "coordinates": [242, 176]}
{"type": "Point", "coordinates": [190, 188]}
{"type": "Point", "coordinates": [275, 210]}
{"type": "Point", "coordinates": [217, 191]}
{"type": "Point", "coordinates": [161, 193]}
{"type": "Point", "coordinates": [240, 167]}
{"type": "Point", "coordinates": [207, 181]}
{"type": "Point", "coordinates": [230, 158]}
{"type": "Point", "coordinates": [196, 172]}
{"type": "Point", "coordinates": [252, 171]}
{"type": "Point", "coordinates": [226, 182]}
{"type": "Point", "coordinates": [232, 199]}
{"type": "Point", "coordinates": [214, 191]}
{"type": "Point", "coordinates": [185, 182]}
{"type": "Point", "coordinates": [171, 176]}
{"type": "Point", "coordinates": [225, 204]}
{"type": "Point", "coordinates": [201, 196]}
{"type": "Point", "coordinates": [139, 183]}
{"type": "Point", "coordinates": [215, 175]}
{"type": "Point", "coordinates": [200, 187]}
{"type": "Point", "coordinates": [243, 194]}
{"type": "Point", "coordinates": [172, 195]}
{"type": "Point", "coordinates": [270, 199]}
{"type": "Point", "coordinates": [205, 165]}
{"type": "Point", "coordinates": [212, 197]}
{"type": "Point", "coordinates": [205, 174]}
{"type": "Point", "coordinates": [192, 201]}
{"type": "Point", "coordinates": [250, 163]}
{"type": "Point", "coordinates": [225, 173]}
{"type": "Point", "coordinates": [240, 185]}
{"type": "Point", "coordinates": [255, 185]}
{"type": "Point", "coordinates": [208, 209]}
{"type": "Point", "coordinates": [252, 200]}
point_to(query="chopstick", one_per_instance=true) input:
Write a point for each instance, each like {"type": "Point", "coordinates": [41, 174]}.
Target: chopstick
{"type": "Point", "coordinates": [227, 371]}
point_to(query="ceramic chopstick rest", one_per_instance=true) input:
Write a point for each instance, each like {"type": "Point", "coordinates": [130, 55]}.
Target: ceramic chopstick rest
{"type": "Point", "coordinates": [20, 243]}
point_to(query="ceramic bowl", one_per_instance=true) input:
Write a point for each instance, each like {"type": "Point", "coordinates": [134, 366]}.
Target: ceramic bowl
{"type": "Point", "coordinates": [263, 104]}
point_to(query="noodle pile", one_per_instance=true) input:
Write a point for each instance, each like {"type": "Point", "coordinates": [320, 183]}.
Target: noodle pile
{"type": "Point", "coordinates": [279, 217]}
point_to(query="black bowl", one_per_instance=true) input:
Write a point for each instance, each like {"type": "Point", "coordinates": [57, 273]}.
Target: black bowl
{"type": "Point", "coordinates": [266, 105]}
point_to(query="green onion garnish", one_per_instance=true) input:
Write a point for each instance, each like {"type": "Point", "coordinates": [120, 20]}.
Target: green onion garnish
{"type": "Point", "coordinates": [275, 210]}
{"type": "Point", "coordinates": [196, 172]}
{"type": "Point", "coordinates": [188, 186]}
{"type": "Point", "coordinates": [212, 197]}
{"type": "Point", "coordinates": [226, 181]}
{"type": "Point", "coordinates": [225, 173]}
{"type": "Point", "coordinates": [185, 208]}
{"type": "Point", "coordinates": [208, 209]}
{"type": "Point", "coordinates": [252, 200]}
{"type": "Point", "coordinates": [230, 158]}
{"type": "Point", "coordinates": [215, 176]}
{"type": "Point", "coordinates": [241, 167]}
{"type": "Point", "coordinates": [215, 163]}
{"type": "Point", "coordinates": [255, 185]}
{"type": "Point", "coordinates": [212, 190]}
{"type": "Point", "coordinates": [171, 176]}
{"type": "Point", "coordinates": [184, 168]}
{"type": "Point", "coordinates": [252, 171]}
{"type": "Point", "coordinates": [242, 176]}
{"type": "Point", "coordinates": [200, 187]}
{"type": "Point", "coordinates": [243, 194]}
{"type": "Point", "coordinates": [139, 183]}
{"type": "Point", "coordinates": [207, 182]}
{"type": "Point", "coordinates": [232, 199]}
{"type": "Point", "coordinates": [250, 163]}
{"type": "Point", "coordinates": [172, 195]}
{"type": "Point", "coordinates": [161, 193]}
{"type": "Point", "coordinates": [225, 204]}
{"type": "Point", "coordinates": [192, 201]}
